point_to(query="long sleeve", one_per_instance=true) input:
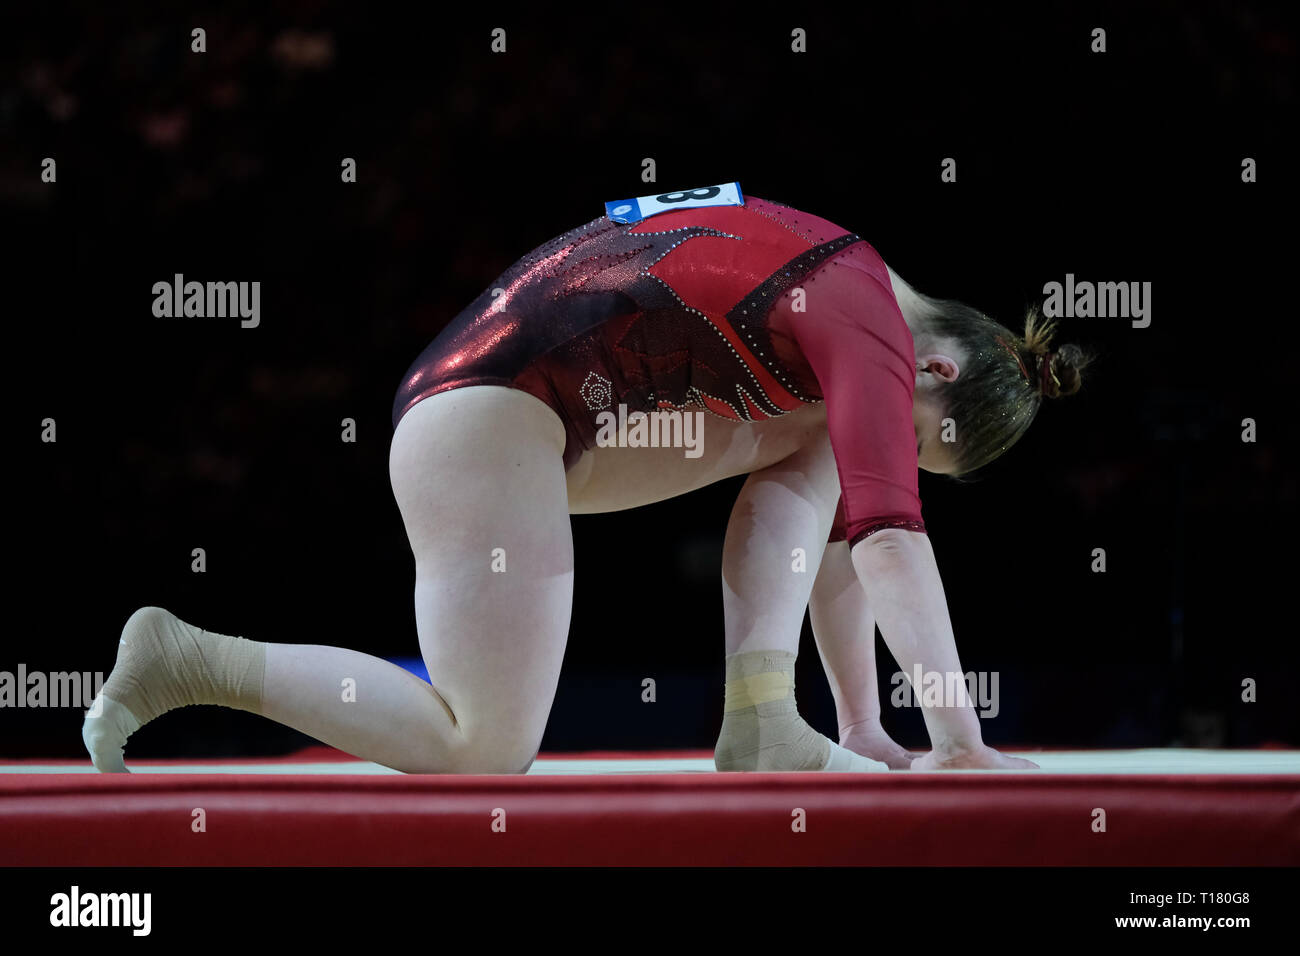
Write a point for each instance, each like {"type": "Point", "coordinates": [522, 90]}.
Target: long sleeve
{"type": "Point", "coordinates": [858, 346]}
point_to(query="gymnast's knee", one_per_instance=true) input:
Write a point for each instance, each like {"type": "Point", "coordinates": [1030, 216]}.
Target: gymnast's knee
{"type": "Point", "coordinates": [495, 750]}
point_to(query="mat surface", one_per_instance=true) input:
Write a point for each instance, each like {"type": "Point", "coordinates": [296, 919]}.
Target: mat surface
{"type": "Point", "coordinates": [1147, 807]}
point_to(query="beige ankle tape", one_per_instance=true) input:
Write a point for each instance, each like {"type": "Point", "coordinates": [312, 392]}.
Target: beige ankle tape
{"type": "Point", "coordinates": [756, 676]}
{"type": "Point", "coordinates": [761, 726]}
{"type": "Point", "coordinates": [757, 689]}
{"type": "Point", "coordinates": [164, 663]}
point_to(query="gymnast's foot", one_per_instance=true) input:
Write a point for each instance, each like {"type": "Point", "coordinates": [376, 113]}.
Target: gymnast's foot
{"type": "Point", "coordinates": [869, 739]}
{"type": "Point", "coordinates": [761, 727]}
{"type": "Point", "coordinates": [773, 738]}
{"type": "Point", "coordinates": [164, 663]}
{"type": "Point", "coordinates": [981, 758]}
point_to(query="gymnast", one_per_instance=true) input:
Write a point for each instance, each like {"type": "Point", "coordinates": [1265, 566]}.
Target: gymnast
{"type": "Point", "coordinates": [824, 378]}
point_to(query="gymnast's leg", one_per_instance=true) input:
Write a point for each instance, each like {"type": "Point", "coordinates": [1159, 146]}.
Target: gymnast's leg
{"type": "Point", "coordinates": [774, 544]}
{"type": "Point", "coordinates": [473, 470]}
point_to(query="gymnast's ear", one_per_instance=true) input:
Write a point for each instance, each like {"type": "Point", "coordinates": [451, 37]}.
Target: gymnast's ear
{"type": "Point", "coordinates": [944, 368]}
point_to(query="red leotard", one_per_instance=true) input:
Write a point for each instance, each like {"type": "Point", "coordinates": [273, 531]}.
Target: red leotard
{"type": "Point", "coordinates": [698, 309]}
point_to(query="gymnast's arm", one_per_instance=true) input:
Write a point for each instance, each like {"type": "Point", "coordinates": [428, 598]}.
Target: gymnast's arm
{"type": "Point", "coordinates": [898, 571]}
{"type": "Point", "coordinates": [857, 342]}
{"type": "Point", "coordinates": [901, 579]}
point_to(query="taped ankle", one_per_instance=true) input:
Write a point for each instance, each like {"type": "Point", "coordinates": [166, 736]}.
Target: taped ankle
{"type": "Point", "coordinates": [164, 663]}
{"type": "Point", "coordinates": [761, 726]}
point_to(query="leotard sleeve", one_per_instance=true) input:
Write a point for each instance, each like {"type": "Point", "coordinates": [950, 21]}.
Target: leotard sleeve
{"type": "Point", "coordinates": [858, 346]}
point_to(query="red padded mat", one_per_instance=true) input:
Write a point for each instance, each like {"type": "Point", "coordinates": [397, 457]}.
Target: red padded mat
{"type": "Point", "coordinates": [648, 819]}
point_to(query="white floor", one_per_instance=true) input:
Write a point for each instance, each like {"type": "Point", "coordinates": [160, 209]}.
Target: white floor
{"type": "Point", "coordinates": [1081, 762]}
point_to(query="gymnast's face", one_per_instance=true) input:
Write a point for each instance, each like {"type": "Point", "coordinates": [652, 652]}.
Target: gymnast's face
{"type": "Point", "coordinates": [934, 370]}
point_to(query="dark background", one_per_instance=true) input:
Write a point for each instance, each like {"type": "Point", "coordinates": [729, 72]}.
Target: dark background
{"type": "Point", "coordinates": [175, 434]}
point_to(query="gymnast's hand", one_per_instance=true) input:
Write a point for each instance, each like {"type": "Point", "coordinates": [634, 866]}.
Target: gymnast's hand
{"type": "Point", "coordinates": [981, 758]}
{"type": "Point", "coordinates": [869, 739]}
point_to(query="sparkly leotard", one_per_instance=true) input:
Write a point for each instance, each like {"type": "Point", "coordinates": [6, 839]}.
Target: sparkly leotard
{"type": "Point", "coordinates": [746, 312]}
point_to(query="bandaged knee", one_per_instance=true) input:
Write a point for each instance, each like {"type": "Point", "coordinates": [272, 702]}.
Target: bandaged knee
{"type": "Point", "coordinates": [761, 726]}
{"type": "Point", "coordinates": [164, 663]}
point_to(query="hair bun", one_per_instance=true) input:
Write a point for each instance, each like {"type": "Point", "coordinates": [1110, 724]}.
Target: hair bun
{"type": "Point", "coordinates": [1061, 371]}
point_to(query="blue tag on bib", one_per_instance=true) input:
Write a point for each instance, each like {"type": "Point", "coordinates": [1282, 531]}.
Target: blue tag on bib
{"type": "Point", "coordinates": [628, 211]}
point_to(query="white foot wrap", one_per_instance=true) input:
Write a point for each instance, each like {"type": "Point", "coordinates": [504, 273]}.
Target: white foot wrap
{"type": "Point", "coordinates": [104, 731]}
{"type": "Point", "coordinates": [164, 663]}
{"type": "Point", "coordinates": [761, 726]}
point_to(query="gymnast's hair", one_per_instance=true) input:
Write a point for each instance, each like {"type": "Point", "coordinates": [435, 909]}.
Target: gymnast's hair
{"type": "Point", "coordinates": [1004, 379]}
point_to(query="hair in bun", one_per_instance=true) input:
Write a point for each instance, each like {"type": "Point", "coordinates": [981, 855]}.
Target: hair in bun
{"type": "Point", "coordinates": [1059, 373]}
{"type": "Point", "coordinates": [1003, 380]}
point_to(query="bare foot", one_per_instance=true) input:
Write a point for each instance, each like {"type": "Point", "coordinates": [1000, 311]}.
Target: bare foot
{"type": "Point", "coordinates": [985, 758]}
{"type": "Point", "coordinates": [870, 740]}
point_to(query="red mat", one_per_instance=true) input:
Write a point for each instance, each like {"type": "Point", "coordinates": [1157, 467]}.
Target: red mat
{"type": "Point", "coordinates": [649, 820]}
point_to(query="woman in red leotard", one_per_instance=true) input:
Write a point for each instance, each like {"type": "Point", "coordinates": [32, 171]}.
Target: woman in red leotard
{"type": "Point", "coordinates": [800, 359]}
